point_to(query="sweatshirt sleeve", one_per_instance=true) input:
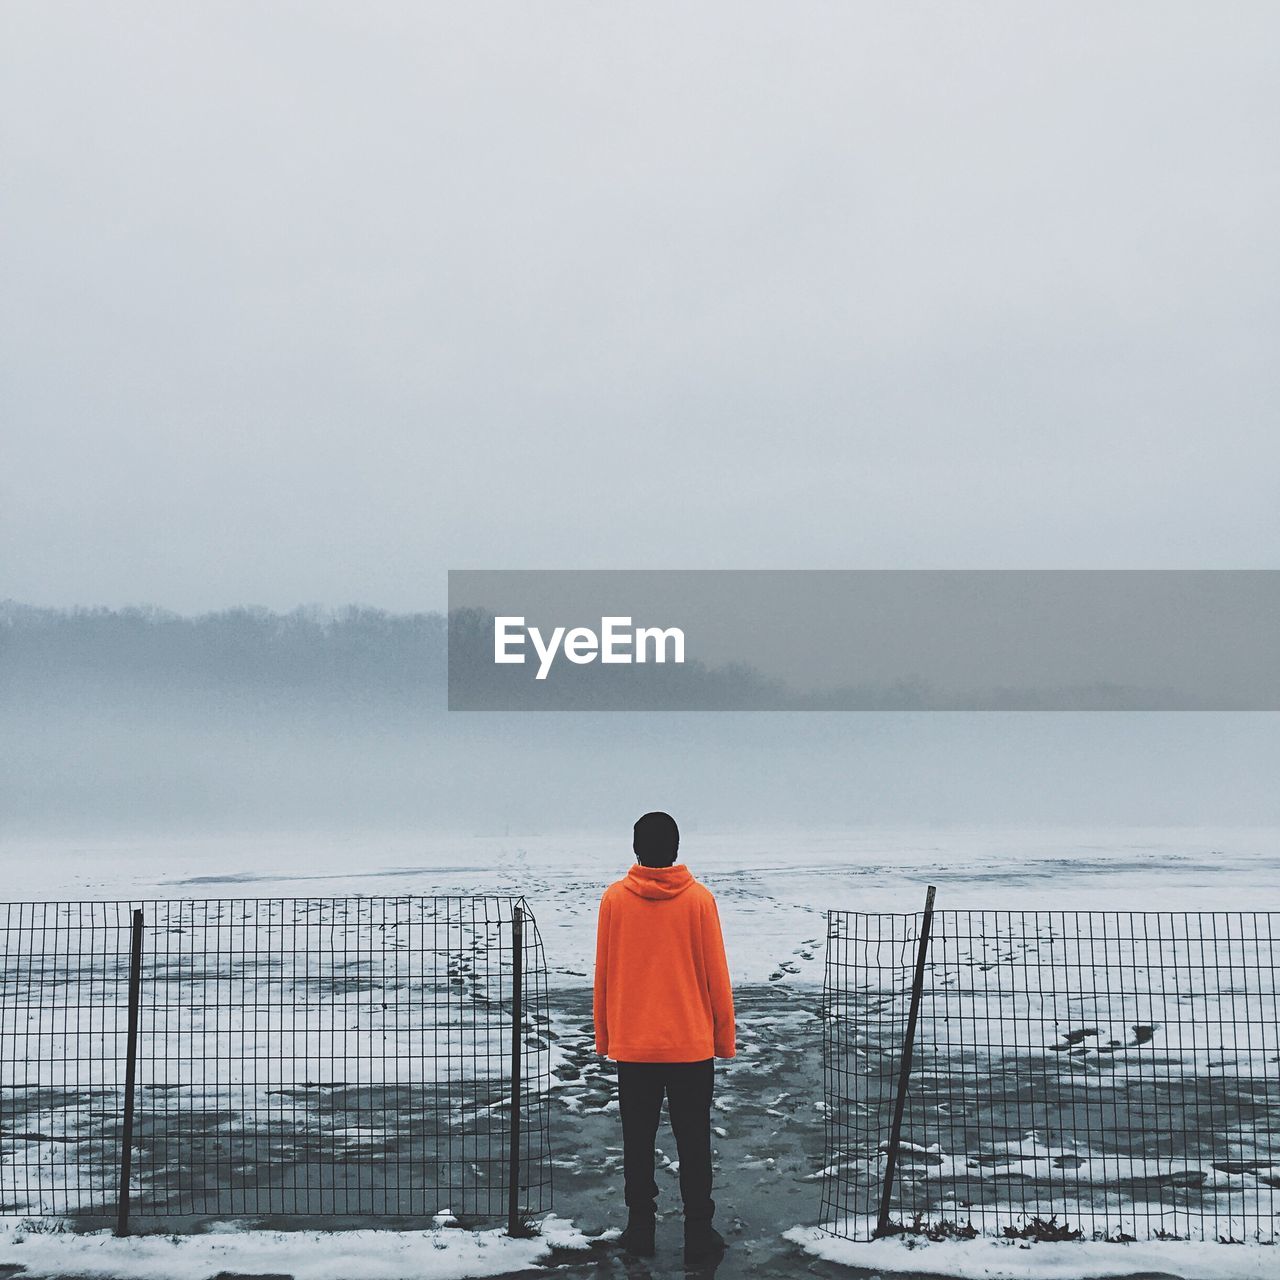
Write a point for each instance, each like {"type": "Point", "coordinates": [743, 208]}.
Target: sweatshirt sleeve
{"type": "Point", "coordinates": [599, 1014]}
{"type": "Point", "coordinates": [718, 983]}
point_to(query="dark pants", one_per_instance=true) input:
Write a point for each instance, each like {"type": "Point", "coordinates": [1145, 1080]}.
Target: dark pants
{"type": "Point", "coordinates": [688, 1087]}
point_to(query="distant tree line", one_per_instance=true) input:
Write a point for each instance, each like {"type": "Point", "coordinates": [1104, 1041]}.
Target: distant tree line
{"type": "Point", "coordinates": [351, 651]}
{"type": "Point", "coordinates": [352, 655]}
{"type": "Point", "coordinates": [349, 654]}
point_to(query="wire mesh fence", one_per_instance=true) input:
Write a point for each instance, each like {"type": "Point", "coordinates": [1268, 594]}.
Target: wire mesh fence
{"type": "Point", "coordinates": [1107, 1074]}
{"type": "Point", "coordinates": [347, 1057]}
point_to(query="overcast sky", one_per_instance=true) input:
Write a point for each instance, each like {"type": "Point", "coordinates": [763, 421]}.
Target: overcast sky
{"type": "Point", "coordinates": [309, 303]}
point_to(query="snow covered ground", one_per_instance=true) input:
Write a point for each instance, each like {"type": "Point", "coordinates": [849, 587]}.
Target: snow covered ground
{"type": "Point", "coordinates": [989, 1259]}
{"type": "Point", "coordinates": [442, 1253]}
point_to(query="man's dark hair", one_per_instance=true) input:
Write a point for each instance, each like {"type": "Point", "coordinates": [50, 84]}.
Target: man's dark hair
{"type": "Point", "coordinates": [656, 840]}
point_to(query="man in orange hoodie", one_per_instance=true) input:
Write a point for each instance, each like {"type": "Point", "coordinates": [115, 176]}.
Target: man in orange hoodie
{"type": "Point", "coordinates": [664, 1013]}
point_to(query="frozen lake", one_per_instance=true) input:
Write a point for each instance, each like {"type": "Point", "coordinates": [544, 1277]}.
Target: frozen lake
{"type": "Point", "coordinates": [774, 887]}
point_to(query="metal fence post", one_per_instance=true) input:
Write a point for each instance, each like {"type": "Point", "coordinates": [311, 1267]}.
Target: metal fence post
{"type": "Point", "coordinates": [904, 1069]}
{"type": "Point", "coordinates": [130, 1073]}
{"type": "Point", "coordinates": [514, 1225]}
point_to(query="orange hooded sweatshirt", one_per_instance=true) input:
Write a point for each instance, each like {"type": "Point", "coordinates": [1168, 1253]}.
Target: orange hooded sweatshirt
{"type": "Point", "coordinates": [662, 991]}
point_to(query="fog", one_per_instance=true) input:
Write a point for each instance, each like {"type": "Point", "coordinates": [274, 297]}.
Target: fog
{"type": "Point", "coordinates": [106, 769]}
{"type": "Point", "coordinates": [312, 302]}
{"type": "Point", "coordinates": [140, 723]}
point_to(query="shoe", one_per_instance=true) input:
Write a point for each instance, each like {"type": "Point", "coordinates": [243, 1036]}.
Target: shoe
{"type": "Point", "coordinates": [638, 1238]}
{"type": "Point", "coordinates": [702, 1242]}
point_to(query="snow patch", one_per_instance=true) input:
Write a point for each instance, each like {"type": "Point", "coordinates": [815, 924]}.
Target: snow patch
{"type": "Point", "coordinates": [445, 1253]}
{"type": "Point", "coordinates": [990, 1259]}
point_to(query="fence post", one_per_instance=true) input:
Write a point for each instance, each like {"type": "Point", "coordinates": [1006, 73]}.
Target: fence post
{"type": "Point", "coordinates": [904, 1068]}
{"type": "Point", "coordinates": [514, 1226]}
{"type": "Point", "coordinates": [130, 1073]}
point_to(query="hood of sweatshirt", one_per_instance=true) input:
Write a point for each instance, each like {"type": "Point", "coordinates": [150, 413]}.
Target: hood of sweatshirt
{"type": "Point", "coordinates": [659, 882]}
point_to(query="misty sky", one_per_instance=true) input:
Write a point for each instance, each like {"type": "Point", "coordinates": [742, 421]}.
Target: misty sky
{"type": "Point", "coordinates": [311, 302]}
